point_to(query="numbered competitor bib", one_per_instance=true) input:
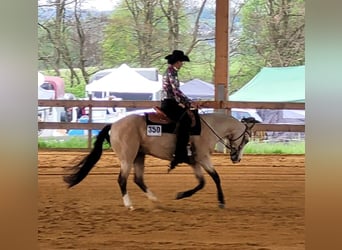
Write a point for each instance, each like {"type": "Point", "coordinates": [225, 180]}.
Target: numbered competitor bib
{"type": "Point", "coordinates": [154, 130]}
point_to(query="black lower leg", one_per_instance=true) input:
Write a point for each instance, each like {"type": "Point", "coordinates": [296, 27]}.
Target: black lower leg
{"type": "Point", "coordinates": [140, 182]}
{"type": "Point", "coordinates": [214, 175]}
{"type": "Point", "coordinates": [190, 192]}
{"type": "Point", "coordinates": [123, 184]}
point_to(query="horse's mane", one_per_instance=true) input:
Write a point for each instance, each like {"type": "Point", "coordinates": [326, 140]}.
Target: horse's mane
{"type": "Point", "coordinates": [218, 115]}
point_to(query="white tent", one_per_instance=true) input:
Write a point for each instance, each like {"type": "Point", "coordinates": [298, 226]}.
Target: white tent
{"type": "Point", "coordinates": [124, 80]}
{"type": "Point", "coordinates": [198, 90]}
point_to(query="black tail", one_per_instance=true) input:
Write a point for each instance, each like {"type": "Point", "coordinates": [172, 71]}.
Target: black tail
{"type": "Point", "coordinates": [81, 170]}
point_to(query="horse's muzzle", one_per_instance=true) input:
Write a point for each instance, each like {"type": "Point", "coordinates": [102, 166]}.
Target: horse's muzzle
{"type": "Point", "coordinates": [236, 161]}
{"type": "Point", "coordinates": [234, 156]}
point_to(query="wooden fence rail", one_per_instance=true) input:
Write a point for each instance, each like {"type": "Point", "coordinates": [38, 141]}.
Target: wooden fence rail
{"type": "Point", "coordinates": [148, 104]}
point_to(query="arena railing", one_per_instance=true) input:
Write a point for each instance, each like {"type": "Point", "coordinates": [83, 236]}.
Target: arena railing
{"type": "Point", "coordinates": [219, 105]}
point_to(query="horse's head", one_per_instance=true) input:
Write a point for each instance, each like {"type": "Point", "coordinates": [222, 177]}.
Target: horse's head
{"type": "Point", "coordinates": [240, 137]}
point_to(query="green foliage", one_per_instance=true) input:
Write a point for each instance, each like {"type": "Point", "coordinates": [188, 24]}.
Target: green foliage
{"type": "Point", "coordinates": [63, 39]}
{"type": "Point", "coordinates": [275, 148]}
{"type": "Point", "coordinates": [79, 89]}
{"type": "Point", "coordinates": [269, 34]}
{"type": "Point", "coordinates": [273, 31]}
{"type": "Point", "coordinates": [119, 44]}
{"type": "Point", "coordinates": [272, 35]}
{"type": "Point", "coordinates": [241, 70]}
{"type": "Point", "coordinates": [201, 65]}
{"type": "Point", "coordinates": [71, 142]}
{"type": "Point", "coordinates": [143, 42]}
{"type": "Point", "coordinates": [45, 49]}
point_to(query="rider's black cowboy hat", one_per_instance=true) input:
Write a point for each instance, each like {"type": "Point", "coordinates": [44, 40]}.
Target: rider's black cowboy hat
{"type": "Point", "coordinates": [177, 55]}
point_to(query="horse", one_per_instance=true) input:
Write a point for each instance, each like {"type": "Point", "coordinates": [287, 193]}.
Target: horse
{"type": "Point", "coordinates": [130, 139]}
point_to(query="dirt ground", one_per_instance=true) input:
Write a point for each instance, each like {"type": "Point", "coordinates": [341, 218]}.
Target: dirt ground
{"type": "Point", "coordinates": [264, 206]}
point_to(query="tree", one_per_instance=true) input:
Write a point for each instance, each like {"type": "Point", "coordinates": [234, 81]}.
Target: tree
{"type": "Point", "coordinates": [69, 38]}
{"type": "Point", "coordinates": [134, 33]}
{"type": "Point", "coordinates": [276, 30]}
{"type": "Point", "coordinates": [141, 33]}
{"type": "Point", "coordinates": [272, 35]}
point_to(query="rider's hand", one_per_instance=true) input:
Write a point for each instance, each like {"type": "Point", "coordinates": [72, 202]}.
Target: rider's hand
{"type": "Point", "coordinates": [194, 105]}
{"type": "Point", "coordinates": [181, 105]}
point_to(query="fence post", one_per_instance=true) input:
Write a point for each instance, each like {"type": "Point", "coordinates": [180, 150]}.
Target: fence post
{"type": "Point", "coordinates": [90, 120]}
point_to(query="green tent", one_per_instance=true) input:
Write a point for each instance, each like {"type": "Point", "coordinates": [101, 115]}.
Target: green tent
{"type": "Point", "coordinates": [274, 84]}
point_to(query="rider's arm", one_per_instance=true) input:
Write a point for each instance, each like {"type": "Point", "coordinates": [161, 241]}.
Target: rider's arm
{"type": "Point", "coordinates": [176, 92]}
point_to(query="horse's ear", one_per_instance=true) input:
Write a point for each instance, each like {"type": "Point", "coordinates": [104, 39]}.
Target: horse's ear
{"type": "Point", "coordinates": [249, 122]}
{"type": "Point", "coordinates": [246, 120]}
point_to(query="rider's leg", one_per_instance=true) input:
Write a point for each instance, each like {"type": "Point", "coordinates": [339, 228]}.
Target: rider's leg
{"type": "Point", "coordinates": [181, 154]}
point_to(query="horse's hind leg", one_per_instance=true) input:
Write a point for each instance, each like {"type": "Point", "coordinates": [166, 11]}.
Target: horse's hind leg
{"type": "Point", "coordinates": [122, 180]}
{"type": "Point", "coordinates": [139, 168]}
{"type": "Point", "coordinates": [201, 182]}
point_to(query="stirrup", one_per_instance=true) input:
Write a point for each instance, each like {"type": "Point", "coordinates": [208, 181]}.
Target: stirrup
{"type": "Point", "coordinates": [192, 160]}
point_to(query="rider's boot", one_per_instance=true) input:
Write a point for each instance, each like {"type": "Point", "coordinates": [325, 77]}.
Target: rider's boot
{"type": "Point", "coordinates": [185, 157]}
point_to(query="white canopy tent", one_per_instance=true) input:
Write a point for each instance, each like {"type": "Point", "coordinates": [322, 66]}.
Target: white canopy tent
{"type": "Point", "coordinates": [125, 80]}
{"type": "Point", "coordinates": [197, 89]}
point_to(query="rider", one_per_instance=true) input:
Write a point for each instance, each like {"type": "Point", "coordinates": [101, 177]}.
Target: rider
{"type": "Point", "coordinates": [175, 104]}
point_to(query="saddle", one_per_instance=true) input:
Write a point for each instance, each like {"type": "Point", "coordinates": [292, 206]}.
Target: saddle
{"type": "Point", "coordinates": [168, 125]}
{"type": "Point", "coordinates": [158, 117]}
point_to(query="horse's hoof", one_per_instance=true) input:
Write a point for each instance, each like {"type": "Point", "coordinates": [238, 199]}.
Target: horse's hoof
{"type": "Point", "coordinates": [169, 169]}
{"type": "Point", "coordinates": [131, 208]}
{"type": "Point", "coordinates": [180, 195]}
{"type": "Point", "coordinates": [221, 205]}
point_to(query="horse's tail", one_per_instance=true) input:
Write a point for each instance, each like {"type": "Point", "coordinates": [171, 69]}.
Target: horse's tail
{"type": "Point", "coordinates": [82, 169]}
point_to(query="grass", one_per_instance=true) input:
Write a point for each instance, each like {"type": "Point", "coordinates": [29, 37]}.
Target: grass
{"type": "Point", "coordinates": [275, 148]}
{"type": "Point", "coordinates": [252, 147]}
{"type": "Point", "coordinates": [73, 142]}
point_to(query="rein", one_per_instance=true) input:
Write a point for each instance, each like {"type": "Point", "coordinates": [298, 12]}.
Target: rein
{"type": "Point", "coordinates": [221, 139]}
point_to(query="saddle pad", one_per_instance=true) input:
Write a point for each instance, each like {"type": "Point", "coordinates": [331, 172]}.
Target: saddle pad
{"type": "Point", "coordinates": [170, 127]}
{"type": "Point", "coordinates": [196, 130]}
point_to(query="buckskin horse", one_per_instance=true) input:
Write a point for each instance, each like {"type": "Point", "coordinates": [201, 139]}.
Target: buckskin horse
{"type": "Point", "coordinates": [133, 137]}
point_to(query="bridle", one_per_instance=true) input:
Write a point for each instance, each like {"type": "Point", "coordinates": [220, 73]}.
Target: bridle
{"type": "Point", "coordinates": [243, 135]}
{"type": "Point", "coordinates": [230, 147]}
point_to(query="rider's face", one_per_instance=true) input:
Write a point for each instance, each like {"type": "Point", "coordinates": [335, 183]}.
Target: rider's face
{"type": "Point", "coordinates": [178, 64]}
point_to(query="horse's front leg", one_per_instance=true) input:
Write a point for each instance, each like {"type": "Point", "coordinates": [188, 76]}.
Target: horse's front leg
{"type": "Point", "coordinates": [201, 182]}
{"type": "Point", "coordinates": [208, 167]}
{"type": "Point", "coordinates": [214, 175]}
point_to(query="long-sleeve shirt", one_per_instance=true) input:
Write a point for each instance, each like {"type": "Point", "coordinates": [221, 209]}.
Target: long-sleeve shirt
{"type": "Point", "coordinates": [171, 86]}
